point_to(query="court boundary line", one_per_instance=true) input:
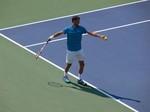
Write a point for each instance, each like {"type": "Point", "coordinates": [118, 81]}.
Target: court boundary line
{"type": "Point", "coordinates": [81, 13]}
{"type": "Point", "coordinates": [98, 31]}
{"type": "Point", "coordinates": [60, 68]}
{"type": "Point", "coordinates": [41, 43]}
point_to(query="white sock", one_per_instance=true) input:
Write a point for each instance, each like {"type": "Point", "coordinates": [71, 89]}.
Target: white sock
{"type": "Point", "coordinates": [79, 76]}
{"type": "Point", "coordinates": [65, 74]}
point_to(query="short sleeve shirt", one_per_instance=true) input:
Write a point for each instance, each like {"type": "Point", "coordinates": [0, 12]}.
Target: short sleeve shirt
{"type": "Point", "coordinates": [74, 37]}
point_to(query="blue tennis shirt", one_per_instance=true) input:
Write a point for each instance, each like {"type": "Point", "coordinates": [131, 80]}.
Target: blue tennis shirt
{"type": "Point", "coordinates": [74, 37]}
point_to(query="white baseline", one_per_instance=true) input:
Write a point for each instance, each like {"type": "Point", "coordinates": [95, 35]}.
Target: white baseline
{"type": "Point", "coordinates": [107, 8]}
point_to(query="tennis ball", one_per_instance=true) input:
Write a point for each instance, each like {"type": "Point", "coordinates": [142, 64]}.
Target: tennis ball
{"type": "Point", "coordinates": [105, 38]}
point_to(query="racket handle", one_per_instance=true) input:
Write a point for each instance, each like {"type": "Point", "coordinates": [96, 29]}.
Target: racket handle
{"type": "Point", "coordinates": [47, 42]}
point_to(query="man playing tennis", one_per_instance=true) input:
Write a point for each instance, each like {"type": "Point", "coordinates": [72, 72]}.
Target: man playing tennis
{"type": "Point", "coordinates": [74, 48]}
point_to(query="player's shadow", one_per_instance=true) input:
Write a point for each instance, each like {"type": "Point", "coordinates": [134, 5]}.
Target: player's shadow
{"type": "Point", "coordinates": [120, 97]}
{"type": "Point", "coordinates": [91, 90]}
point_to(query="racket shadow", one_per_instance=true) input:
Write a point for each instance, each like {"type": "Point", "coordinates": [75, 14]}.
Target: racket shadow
{"type": "Point", "coordinates": [76, 86]}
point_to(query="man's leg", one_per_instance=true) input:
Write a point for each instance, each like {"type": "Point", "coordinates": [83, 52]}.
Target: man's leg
{"type": "Point", "coordinates": [80, 72]}
{"type": "Point", "coordinates": [67, 68]}
{"type": "Point", "coordinates": [81, 68]}
{"type": "Point", "coordinates": [69, 59]}
{"type": "Point", "coordinates": [66, 79]}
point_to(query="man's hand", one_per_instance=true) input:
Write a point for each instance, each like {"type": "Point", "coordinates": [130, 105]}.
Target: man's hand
{"type": "Point", "coordinates": [49, 39]}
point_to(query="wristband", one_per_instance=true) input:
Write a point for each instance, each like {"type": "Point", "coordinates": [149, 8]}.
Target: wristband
{"type": "Point", "coordinates": [51, 37]}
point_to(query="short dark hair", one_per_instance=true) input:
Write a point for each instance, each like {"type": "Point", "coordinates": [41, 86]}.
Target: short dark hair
{"type": "Point", "coordinates": [75, 18]}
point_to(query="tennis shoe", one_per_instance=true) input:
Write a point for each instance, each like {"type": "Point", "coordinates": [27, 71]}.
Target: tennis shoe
{"type": "Point", "coordinates": [81, 82]}
{"type": "Point", "coordinates": [66, 79]}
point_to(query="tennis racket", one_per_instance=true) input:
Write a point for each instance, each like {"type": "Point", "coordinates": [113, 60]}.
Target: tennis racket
{"type": "Point", "coordinates": [41, 50]}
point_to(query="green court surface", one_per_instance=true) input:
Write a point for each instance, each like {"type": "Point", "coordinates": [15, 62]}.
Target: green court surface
{"type": "Point", "coordinates": [24, 86]}
{"type": "Point", "coordinates": [16, 12]}
{"type": "Point", "coordinates": [24, 81]}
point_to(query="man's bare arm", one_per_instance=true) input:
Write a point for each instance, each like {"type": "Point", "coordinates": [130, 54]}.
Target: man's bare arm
{"type": "Point", "coordinates": [97, 35]}
{"type": "Point", "coordinates": [55, 35]}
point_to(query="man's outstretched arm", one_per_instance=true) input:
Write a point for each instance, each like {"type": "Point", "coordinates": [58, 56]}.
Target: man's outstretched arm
{"type": "Point", "coordinates": [97, 35]}
{"type": "Point", "coordinates": [55, 35]}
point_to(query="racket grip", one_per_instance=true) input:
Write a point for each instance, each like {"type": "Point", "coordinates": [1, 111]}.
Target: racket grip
{"type": "Point", "coordinates": [47, 42]}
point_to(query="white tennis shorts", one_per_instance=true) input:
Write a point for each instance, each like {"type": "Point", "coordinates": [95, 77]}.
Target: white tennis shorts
{"type": "Point", "coordinates": [71, 55]}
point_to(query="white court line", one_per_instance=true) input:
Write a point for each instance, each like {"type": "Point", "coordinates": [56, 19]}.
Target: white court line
{"type": "Point", "coordinates": [122, 26]}
{"type": "Point", "coordinates": [107, 8]}
{"type": "Point", "coordinates": [107, 29]}
{"type": "Point", "coordinates": [41, 43]}
{"type": "Point", "coordinates": [69, 73]}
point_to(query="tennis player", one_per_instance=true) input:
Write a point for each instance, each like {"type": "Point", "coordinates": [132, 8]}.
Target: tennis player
{"type": "Point", "coordinates": [74, 48]}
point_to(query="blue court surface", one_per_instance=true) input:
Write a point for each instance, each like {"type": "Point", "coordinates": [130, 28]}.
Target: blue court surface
{"type": "Point", "coordinates": [119, 66]}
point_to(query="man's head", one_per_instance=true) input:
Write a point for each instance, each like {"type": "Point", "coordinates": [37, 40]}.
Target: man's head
{"type": "Point", "coordinates": [75, 20]}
